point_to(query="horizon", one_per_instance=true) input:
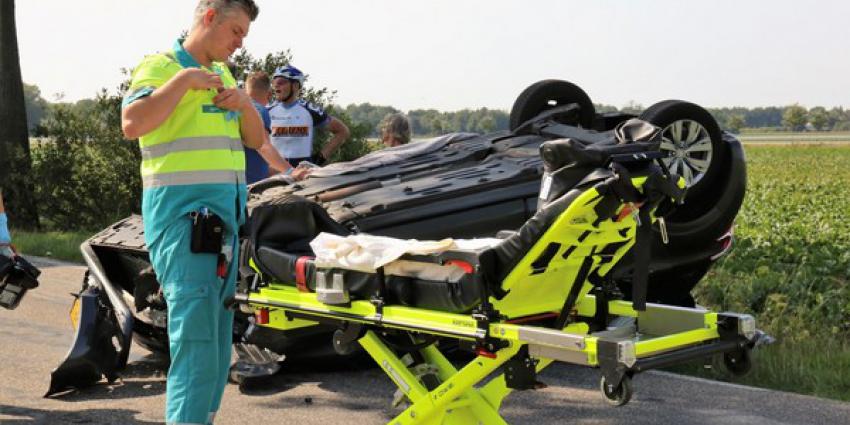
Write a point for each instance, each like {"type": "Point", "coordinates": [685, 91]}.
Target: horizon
{"type": "Point", "coordinates": [721, 55]}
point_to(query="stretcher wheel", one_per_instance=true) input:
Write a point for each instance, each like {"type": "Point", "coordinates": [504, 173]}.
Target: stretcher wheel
{"type": "Point", "coordinates": [738, 362]}
{"type": "Point", "coordinates": [619, 395]}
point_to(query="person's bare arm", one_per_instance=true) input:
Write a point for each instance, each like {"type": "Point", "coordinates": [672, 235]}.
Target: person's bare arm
{"type": "Point", "coordinates": [146, 114]}
{"type": "Point", "coordinates": [273, 158]}
{"type": "Point", "coordinates": [279, 164]}
{"type": "Point", "coordinates": [340, 135]}
{"type": "Point", "coordinates": [1, 203]}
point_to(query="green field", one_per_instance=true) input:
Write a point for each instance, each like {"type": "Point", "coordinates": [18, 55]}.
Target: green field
{"type": "Point", "coordinates": [795, 137]}
{"type": "Point", "coordinates": [791, 267]}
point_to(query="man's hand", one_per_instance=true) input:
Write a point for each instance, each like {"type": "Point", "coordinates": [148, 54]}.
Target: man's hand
{"type": "Point", "coordinates": [301, 173]}
{"type": "Point", "coordinates": [232, 100]}
{"type": "Point", "coordinates": [199, 79]}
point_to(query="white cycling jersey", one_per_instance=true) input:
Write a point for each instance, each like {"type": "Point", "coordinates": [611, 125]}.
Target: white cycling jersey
{"type": "Point", "coordinates": [293, 126]}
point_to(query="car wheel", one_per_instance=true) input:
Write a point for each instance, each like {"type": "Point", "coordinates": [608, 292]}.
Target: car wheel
{"type": "Point", "coordinates": [691, 139]}
{"type": "Point", "coordinates": [547, 94]}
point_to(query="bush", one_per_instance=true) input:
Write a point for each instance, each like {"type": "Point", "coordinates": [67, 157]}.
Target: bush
{"type": "Point", "coordinates": [86, 173]}
{"type": "Point", "coordinates": [357, 144]}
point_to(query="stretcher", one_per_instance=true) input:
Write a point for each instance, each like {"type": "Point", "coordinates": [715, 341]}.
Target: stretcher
{"type": "Point", "coordinates": [540, 295]}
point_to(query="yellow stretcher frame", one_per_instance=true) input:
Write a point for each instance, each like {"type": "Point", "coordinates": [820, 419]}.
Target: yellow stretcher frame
{"type": "Point", "coordinates": [578, 239]}
{"type": "Point", "coordinates": [672, 335]}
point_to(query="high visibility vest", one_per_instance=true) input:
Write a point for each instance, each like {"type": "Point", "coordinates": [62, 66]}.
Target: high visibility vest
{"type": "Point", "coordinates": [196, 144]}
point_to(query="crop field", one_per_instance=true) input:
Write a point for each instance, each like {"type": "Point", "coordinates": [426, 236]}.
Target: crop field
{"type": "Point", "coordinates": [791, 267]}
{"type": "Point", "coordinates": [795, 137]}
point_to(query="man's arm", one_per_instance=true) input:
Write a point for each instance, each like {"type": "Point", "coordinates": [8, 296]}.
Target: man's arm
{"type": "Point", "coordinates": [273, 158]}
{"type": "Point", "coordinates": [279, 164]}
{"type": "Point", "coordinates": [340, 135]}
{"type": "Point", "coordinates": [146, 114]}
{"type": "Point", "coordinates": [253, 134]}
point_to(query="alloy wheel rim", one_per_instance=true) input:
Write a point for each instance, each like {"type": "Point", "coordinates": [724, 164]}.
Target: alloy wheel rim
{"type": "Point", "coordinates": [688, 148]}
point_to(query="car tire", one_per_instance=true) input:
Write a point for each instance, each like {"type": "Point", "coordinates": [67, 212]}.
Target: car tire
{"type": "Point", "coordinates": [693, 140]}
{"type": "Point", "coordinates": [547, 94]}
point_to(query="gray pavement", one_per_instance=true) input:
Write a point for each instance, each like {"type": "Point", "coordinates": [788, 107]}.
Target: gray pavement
{"type": "Point", "coordinates": [35, 338]}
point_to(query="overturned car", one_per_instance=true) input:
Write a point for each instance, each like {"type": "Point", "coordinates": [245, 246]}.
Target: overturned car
{"type": "Point", "coordinates": [459, 186]}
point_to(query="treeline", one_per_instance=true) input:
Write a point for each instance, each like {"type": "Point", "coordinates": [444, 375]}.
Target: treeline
{"type": "Point", "coordinates": [430, 122]}
{"type": "Point", "coordinates": [788, 118]}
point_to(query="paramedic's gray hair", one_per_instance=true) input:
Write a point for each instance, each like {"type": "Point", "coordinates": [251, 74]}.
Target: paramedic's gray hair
{"type": "Point", "coordinates": [226, 6]}
{"type": "Point", "coordinates": [396, 125]}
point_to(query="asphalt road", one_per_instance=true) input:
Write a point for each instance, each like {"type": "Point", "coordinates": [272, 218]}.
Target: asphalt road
{"type": "Point", "coordinates": [35, 337]}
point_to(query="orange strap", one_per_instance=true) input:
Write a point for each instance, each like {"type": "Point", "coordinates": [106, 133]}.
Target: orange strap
{"type": "Point", "coordinates": [301, 274]}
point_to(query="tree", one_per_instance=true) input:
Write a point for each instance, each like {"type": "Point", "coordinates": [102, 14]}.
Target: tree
{"type": "Point", "coordinates": [87, 174]}
{"type": "Point", "coordinates": [836, 116]}
{"type": "Point", "coordinates": [795, 117]}
{"type": "Point", "coordinates": [819, 118]}
{"type": "Point", "coordinates": [632, 107]}
{"type": "Point", "coordinates": [487, 124]}
{"type": "Point", "coordinates": [14, 134]}
{"type": "Point", "coordinates": [735, 123]}
{"type": "Point", "coordinates": [369, 115]}
{"type": "Point", "coordinates": [35, 104]}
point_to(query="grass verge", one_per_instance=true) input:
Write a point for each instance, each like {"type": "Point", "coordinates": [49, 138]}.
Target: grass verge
{"type": "Point", "coordinates": [58, 245]}
{"type": "Point", "coordinates": [818, 367]}
{"type": "Point", "coordinates": [790, 268]}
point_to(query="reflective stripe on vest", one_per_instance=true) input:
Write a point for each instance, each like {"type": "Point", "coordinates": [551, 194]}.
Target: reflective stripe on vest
{"type": "Point", "coordinates": [192, 177]}
{"type": "Point", "coordinates": [191, 144]}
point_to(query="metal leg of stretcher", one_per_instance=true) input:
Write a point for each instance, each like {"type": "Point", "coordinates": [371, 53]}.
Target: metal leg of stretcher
{"type": "Point", "coordinates": [455, 401]}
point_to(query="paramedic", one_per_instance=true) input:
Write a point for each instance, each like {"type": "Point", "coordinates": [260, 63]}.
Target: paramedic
{"type": "Point", "coordinates": [191, 121]}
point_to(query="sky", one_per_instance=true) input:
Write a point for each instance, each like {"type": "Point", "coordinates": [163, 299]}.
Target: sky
{"type": "Point", "coordinates": [457, 54]}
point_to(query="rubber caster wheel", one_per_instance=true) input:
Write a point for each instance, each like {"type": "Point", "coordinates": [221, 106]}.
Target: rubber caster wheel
{"type": "Point", "coordinates": [619, 395]}
{"type": "Point", "coordinates": [738, 363]}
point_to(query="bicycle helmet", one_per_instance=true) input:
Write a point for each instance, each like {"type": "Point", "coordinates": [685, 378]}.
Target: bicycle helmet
{"type": "Point", "coordinates": [289, 72]}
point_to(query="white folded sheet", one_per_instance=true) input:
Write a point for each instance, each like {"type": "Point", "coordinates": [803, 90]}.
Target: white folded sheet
{"type": "Point", "coordinates": [367, 253]}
